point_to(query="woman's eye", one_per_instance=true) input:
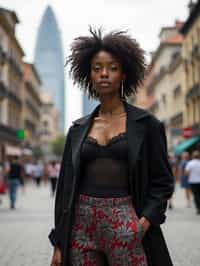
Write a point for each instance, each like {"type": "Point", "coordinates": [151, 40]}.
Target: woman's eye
{"type": "Point", "coordinates": [96, 68]}
{"type": "Point", "coordinates": [113, 68]}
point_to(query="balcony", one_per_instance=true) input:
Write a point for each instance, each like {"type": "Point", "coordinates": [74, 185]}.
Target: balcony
{"type": "Point", "coordinates": [3, 90]}
{"type": "Point", "coordinates": [196, 51]}
{"type": "Point", "coordinates": [13, 97]}
{"type": "Point", "coordinates": [2, 56]}
{"type": "Point", "coordinates": [193, 92]}
{"type": "Point", "coordinates": [8, 133]}
{"type": "Point", "coordinates": [156, 78]}
{"type": "Point", "coordinates": [32, 108]}
{"type": "Point", "coordinates": [15, 67]}
{"type": "Point", "coordinates": [176, 119]}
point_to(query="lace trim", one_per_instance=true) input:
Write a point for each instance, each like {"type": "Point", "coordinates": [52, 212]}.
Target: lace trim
{"type": "Point", "coordinates": [110, 141]}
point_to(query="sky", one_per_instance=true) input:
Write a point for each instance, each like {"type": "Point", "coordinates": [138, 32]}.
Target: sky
{"type": "Point", "coordinates": [142, 18]}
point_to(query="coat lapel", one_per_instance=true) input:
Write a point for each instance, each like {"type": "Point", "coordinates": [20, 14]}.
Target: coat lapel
{"type": "Point", "coordinates": [79, 133]}
{"type": "Point", "coordinates": [135, 132]}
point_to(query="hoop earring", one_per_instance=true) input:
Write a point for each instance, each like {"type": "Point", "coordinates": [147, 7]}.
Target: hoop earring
{"type": "Point", "coordinates": [122, 89]}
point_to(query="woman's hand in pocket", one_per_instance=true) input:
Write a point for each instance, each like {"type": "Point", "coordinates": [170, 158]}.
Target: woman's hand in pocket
{"type": "Point", "coordinates": [145, 224]}
{"type": "Point", "coordinates": [56, 258]}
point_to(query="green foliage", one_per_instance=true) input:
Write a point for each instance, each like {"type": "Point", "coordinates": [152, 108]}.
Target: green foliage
{"type": "Point", "coordinates": [58, 145]}
{"type": "Point", "coordinates": [38, 152]}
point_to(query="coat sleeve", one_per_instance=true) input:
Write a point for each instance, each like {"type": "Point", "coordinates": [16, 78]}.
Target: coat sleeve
{"type": "Point", "coordinates": [161, 180]}
{"type": "Point", "coordinates": [59, 199]}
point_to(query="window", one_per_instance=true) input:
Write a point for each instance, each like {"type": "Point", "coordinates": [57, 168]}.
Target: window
{"type": "Point", "coordinates": [164, 99]}
{"type": "Point", "coordinates": [45, 124]}
{"type": "Point", "coordinates": [177, 91]}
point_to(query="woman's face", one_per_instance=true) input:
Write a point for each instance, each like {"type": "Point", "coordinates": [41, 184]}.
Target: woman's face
{"type": "Point", "coordinates": [106, 74]}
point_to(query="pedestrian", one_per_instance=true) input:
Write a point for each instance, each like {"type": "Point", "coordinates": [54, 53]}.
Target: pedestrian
{"type": "Point", "coordinates": [53, 170]}
{"type": "Point", "coordinates": [183, 177]}
{"type": "Point", "coordinates": [37, 172]}
{"type": "Point", "coordinates": [115, 177]}
{"type": "Point", "coordinates": [28, 168]}
{"type": "Point", "coordinates": [193, 171]}
{"type": "Point", "coordinates": [3, 187]}
{"type": "Point", "coordinates": [173, 166]}
{"type": "Point", "coordinates": [14, 179]}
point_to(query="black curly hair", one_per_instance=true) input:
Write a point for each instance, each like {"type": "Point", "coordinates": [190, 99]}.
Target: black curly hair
{"type": "Point", "coordinates": [117, 43]}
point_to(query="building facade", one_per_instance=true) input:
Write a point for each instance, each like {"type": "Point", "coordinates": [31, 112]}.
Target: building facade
{"type": "Point", "coordinates": [11, 80]}
{"type": "Point", "coordinates": [165, 83]}
{"type": "Point", "coordinates": [31, 105]}
{"type": "Point", "coordinates": [49, 124]}
{"type": "Point", "coordinates": [191, 57]}
{"type": "Point", "coordinates": [49, 61]}
{"type": "Point", "coordinates": [144, 98]}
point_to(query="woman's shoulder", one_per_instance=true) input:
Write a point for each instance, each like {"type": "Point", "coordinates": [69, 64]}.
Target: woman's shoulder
{"type": "Point", "coordinates": [80, 120]}
{"type": "Point", "coordinates": [147, 116]}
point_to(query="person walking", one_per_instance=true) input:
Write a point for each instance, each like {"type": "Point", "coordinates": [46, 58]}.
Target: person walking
{"type": "Point", "coordinates": [3, 187]}
{"type": "Point", "coordinates": [115, 178]}
{"type": "Point", "coordinates": [14, 177]}
{"type": "Point", "coordinates": [53, 170]}
{"type": "Point", "coordinates": [193, 171]}
{"type": "Point", "coordinates": [37, 172]}
{"type": "Point", "coordinates": [183, 177]}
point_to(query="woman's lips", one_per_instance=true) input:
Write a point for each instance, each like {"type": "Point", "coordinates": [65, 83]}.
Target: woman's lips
{"type": "Point", "coordinates": [104, 84]}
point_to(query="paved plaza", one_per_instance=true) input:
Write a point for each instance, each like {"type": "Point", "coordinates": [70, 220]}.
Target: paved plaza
{"type": "Point", "coordinates": [23, 232]}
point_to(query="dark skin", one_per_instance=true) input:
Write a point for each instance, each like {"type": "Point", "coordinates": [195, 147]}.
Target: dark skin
{"type": "Point", "coordinates": [106, 78]}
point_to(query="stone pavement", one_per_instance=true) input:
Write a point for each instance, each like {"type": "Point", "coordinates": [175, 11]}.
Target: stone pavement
{"type": "Point", "coordinates": [23, 232]}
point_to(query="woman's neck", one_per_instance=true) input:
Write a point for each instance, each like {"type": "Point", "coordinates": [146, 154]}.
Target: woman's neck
{"type": "Point", "coordinates": [111, 106]}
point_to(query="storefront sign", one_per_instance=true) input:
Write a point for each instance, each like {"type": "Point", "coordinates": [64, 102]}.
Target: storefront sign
{"type": "Point", "coordinates": [187, 132]}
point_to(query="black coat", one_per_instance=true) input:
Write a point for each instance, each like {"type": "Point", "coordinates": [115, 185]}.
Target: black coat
{"type": "Point", "coordinates": [151, 181]}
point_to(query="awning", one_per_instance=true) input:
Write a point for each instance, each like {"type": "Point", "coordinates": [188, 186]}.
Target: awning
{"type": "Point", "coordinates": [184, 145]}
{"type": "Point", "coordinates": [13, 150]}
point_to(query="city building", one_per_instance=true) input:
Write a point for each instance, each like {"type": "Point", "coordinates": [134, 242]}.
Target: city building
{"type": "Point", "coordinates": [49, 61]}
{"type": "Point", "coordinates": [49, 124]}
{"type": "Point", "coordinates": [31, 105]}
{"type": "Point", "coordinates": [11, 80]}
{"type": "Point", "coordinates": [166, 84]}
{"type": "Point", "coordinates": [144, 98]}
{"type": "Point", "coordinates": [191, 57]}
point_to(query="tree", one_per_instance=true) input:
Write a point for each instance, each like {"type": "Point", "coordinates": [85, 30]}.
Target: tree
{"type": "Point", "coordinates": [38, 152]}
{"type": "Point", "coordinates": [58, 145]}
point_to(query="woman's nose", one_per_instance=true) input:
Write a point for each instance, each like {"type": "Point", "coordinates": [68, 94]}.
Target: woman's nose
{"type": "Point", "coordinates": [104, 72]}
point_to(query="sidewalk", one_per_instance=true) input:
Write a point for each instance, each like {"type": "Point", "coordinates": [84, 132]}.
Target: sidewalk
{"type": "Point", "coordinates": [182, 232]}
{"type": "Point", "coordinates": [24, 231]}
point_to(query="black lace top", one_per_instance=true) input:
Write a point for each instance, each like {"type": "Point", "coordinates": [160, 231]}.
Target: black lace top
{"type": "Point", "coordinates": [105, 167]}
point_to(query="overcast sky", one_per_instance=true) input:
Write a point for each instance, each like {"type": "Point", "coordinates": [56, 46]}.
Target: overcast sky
{"type": "Point", "coordinates": [143, 19]}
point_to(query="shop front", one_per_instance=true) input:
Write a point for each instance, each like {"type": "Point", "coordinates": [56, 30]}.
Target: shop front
{"type": "Point", "coordinates": [191, 140]}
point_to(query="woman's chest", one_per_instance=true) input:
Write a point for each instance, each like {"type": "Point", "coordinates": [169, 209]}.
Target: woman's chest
{"type": "Point", "coordinates": [105, 130]}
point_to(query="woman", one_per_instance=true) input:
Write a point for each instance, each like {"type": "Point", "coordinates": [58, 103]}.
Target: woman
{"type": "Point", "coordinates": [115, 178]}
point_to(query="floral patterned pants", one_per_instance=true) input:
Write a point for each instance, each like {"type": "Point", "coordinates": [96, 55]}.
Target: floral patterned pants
{"type": "Point", "coordinates": [106, 227]}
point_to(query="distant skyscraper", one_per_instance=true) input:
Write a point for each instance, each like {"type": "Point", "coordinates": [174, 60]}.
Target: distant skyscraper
{"type": "Point", "coordinates": [49, 61]}
{"type": "Point", "coordinates": [88, 105]}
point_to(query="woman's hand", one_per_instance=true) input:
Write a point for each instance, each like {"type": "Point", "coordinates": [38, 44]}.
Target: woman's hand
{"type": "Point", "coordinates": [145, 223]}
{"type": "Point", "coordinates": [56, 258]}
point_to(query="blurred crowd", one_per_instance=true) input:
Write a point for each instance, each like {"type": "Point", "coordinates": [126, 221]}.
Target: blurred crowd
{"type": "Point", "coordinates": [186, 171]}
{"type": "Point", "coordinates": [14, 173]}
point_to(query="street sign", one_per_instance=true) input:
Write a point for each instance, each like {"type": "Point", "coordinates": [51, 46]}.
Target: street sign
{"type": "Point", "coordinates": [20, 134]}
{"type": "Point", "coordinates": [187, 132]}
